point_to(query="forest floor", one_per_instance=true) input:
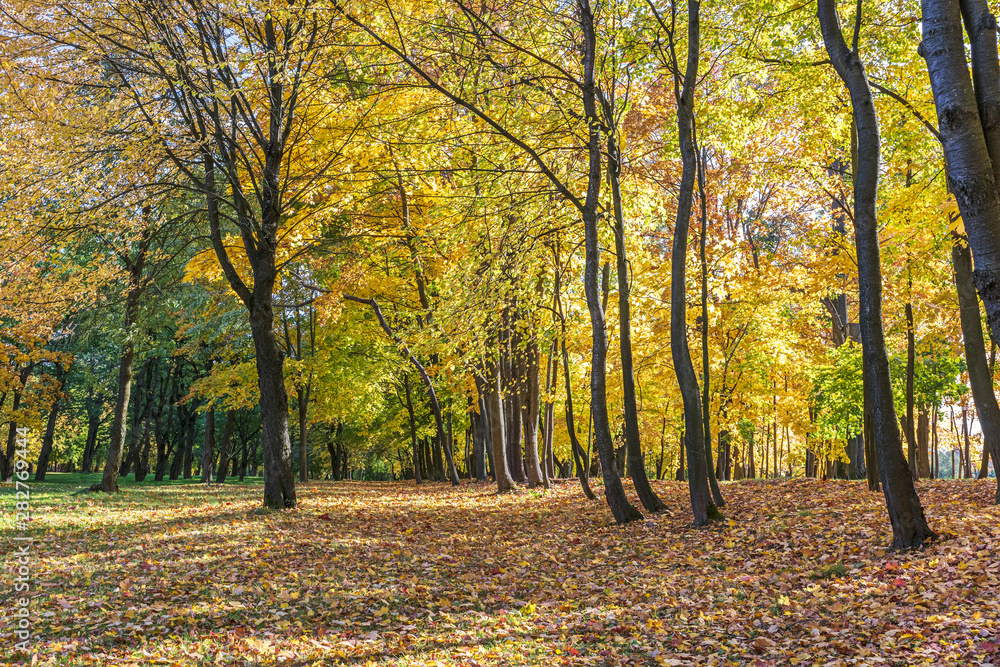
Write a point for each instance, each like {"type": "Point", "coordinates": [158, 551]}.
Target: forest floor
{"type": "Point", "coordinates": [395, 574]}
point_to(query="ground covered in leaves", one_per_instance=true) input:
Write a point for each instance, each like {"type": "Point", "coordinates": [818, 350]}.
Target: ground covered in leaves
{"type": "Point", "coordinates": [392, 573]}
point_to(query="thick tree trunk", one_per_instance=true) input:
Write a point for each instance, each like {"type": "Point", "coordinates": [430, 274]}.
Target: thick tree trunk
{"type": "Point", "coordinates": [970, 168]}
{"type": "Point", "coordinates": [909, 526]}
{"type": "Point", "coordinates": [980, 375]}
{"type": "Point", "coordinates": [279, 475]}
{"type": "Point", "coordinates": [112, 465]}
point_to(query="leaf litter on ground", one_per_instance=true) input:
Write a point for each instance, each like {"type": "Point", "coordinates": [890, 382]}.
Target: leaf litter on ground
{"type": "Point", "coordinates": [398, 574]}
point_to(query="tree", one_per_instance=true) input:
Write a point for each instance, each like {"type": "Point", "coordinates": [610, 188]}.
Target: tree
{"type": "Point", "coordinates": [969, 132]}
{"type": "Point", "coordinates": [909, 526]}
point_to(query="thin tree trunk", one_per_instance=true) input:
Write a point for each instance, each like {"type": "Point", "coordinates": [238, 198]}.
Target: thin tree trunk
{"type": "Point", "coordinates": [911, 440]}
{"type": "Point", "coordinates": [909, 526]}
{"type": "Point", "coordinates": [980, 374]}
{"type": "Point", "coordinates": [702, 507]}
{"type": "Point", "coordinates": [302, 394]}
{"type": "Point", "coordinates": [227, 439]}
{"type": "Point", "coordinates": [614, 492]}
{"type": "Point", "coordinates": [968, 443]}
{"type": "Point", "coordinates": [208, 447]}
{"type": "Point", "coordinates": [706, 370]}
{"type": "Point", "coordinates": [635, 461]}
{"type": "Point", "coordinates": [435, 406]}
{"type": "Point", "coordinates": [50, 430]}
{"type": "Point", "coordinates": [494, 403]}
{"type": "Point", "coordinates": [413, 429]}
{"type": "Point", "coordinates": [530, 425]}
{"type": "Point", "coordinates": [93, 424]}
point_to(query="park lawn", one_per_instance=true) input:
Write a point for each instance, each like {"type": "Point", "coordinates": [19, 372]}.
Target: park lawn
{"type": "Point", "coordinates": [393, 573]}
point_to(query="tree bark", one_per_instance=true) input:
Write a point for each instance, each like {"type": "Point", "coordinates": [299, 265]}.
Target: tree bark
{"type": "Point", "coordinates": [909, 526]}
{"type": "Point", "coordinates": [614, 493]}
{"type": "Point", "coordinates": [227, 439]}
{"type": "Point", "coordinates": [50, 429]}
{"type": "Point", "coordinates": [93, 424]}
{"type": "Point", "coordinates": [494, 404]}
{"type": "Point", "coordinates": [980, 375]}
{"type": "Point", "coordinates": [413, 429]}
{"type": "Point", "coordinates": [150, 389]}
{"type": "Point", "coordinates": [911, 440]}
{"type": "Point", "coordinates": [189, 441]}
{"type": "Point", "coordinates": [208, 447]}
{"type": "Point", "coordinates": [531, 404]}
{"type": "Point", "coordinates": [969, 165]}
{"type": "Point", "coordinates": [302, 394]}
{"type": "Point", "coordinates": [635, 461]}
{"type": "Point", "coordinates": [706, 369]}
{"type": "Point", "coordinates": [702, 506]}
{"type": "Point", "coordinates": [968, 443]}
{"type": "Point", "coordinates": [112, 465]}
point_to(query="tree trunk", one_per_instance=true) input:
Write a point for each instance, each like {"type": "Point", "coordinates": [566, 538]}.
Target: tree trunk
{"type": "Point", "coordinates": [189, 441]}
{"type": "Point", "coordinates": [150, 390]}
{"type": "Point", "coordinates": [909, 526]}
{"type": "Point", "coordinates": [968, 444]}
{"type": "Point", "coordinates": [279, 475]}
{"type": "Point", "coordinates": [413, 429]}
{"type": "Point", "coordinates": [208, 447]}
{"type": "Point", "coordinates": [302, 394]}
{"type": "Point", "coordinates": [706, 369]}
{"type": "Point", "coordinates": [614, 493]}
{"type": "Point", "coordinates": [980, 375]}
{"type": "Point", "coordinates": [579, 455]}
{"type": "Point", "coordinates": [531, 404]}
{"type": "Point", "coordinates": [227, 439]}
{"type": "Point", "coordinates": [635, 461]}
{"type": "Point", "coordinates": [911, 441]}
{"type": "Point", "coordinates": [923, 444]}
{"type": "Point", "coordinates": [681, 474]}
{"type": "Point", "coordinates": [50, 430]}
{"type": "Point", "coordinates": [494, 404]}
{"type": "Point", "coordinates": [89, 449]}
{"type": "Point", "coordinates": [163, 434]}
{"type": "Point", "coordinates": [967, 153]}
{"type": "Point", "coordinates": [703, 509]}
